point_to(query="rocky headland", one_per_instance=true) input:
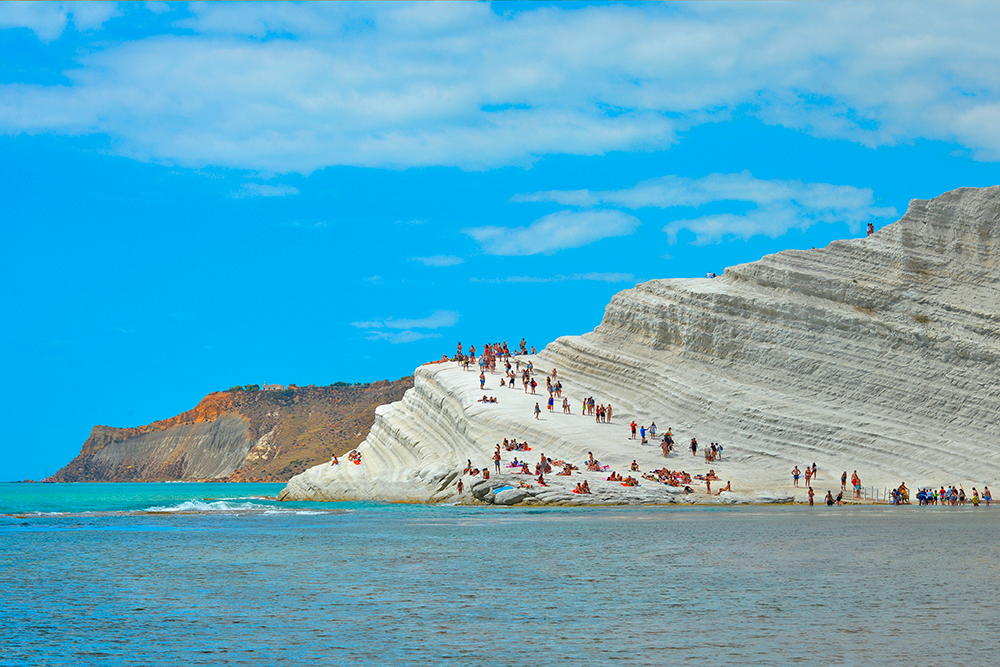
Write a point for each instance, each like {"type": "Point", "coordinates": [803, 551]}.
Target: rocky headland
{"type": "Point", "coordinates": [875, 354]}
{"type": "Point", "coordinates": [238, 435]}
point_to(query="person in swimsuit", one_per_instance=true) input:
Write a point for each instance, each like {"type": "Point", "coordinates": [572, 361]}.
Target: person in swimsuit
{"type": "Point", "coordinates": [986, 495]}
{"type": "Point", "coordinates": [538, 411]}
{"type": "Point", "coordinates": [795, 475]}
{"type": "Point", "coordinates": [811, 494]}
{"type": "Point", "coordinates": [496, 458]}
{"type": "Point", "coordinates": [829, 498]}
{"type": "Point", "coordinates": [843, 481]}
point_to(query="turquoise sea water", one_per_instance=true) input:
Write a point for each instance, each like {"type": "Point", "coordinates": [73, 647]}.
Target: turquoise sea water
{"type": "Point", "coordinates": [217, 575]}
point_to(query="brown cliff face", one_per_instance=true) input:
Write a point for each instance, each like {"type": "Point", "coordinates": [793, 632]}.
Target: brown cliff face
{"type": "Point", "coordinates": [238, 436]}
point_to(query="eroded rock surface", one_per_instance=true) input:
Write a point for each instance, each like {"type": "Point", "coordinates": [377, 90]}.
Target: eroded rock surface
{"type": "Point", "coordinates": [876, 354]}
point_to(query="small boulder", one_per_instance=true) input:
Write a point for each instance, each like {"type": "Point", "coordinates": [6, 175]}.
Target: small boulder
{"type": "Point", "coordinates": [481, 489]}
{"type": "Point", "coordinates": [510, 497]}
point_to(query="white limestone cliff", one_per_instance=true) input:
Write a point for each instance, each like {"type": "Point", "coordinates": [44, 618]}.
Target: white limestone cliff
{"type": "Point", "coordinates": [877, 354]}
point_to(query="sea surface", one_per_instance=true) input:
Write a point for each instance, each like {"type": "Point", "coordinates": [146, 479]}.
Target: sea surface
{"type": "Point", "coordinates": [213, 574]}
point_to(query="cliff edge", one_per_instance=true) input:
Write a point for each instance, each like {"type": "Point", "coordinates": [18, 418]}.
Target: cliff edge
{"type": "Point", "coordinates": [236, 435]}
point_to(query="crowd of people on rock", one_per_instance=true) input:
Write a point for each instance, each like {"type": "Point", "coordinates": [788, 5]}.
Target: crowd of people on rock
{"type": "Point", "coordinates": [513, 445]}
{"type": "Point", "coordinates": [953, 496]}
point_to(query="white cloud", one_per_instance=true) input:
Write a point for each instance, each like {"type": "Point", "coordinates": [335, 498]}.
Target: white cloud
{"type": "Point", "coordinates": [781, 205]}
{"type": "Point", "coordinates": [436, 320]}
{"type": "Point", "coordinates": [91, 15]}
{"type": "Point", "coordinates": [438, 260]}
{"type": "Point", "coordinates": [402, 85]}
{"type": "Point", "coordinates": [554, 232]}
{"type": "Point", "coordinates": [400, 337]}
{"type": "Point", "coordinates": [48, 20]}
{"type": "Point", "coordinates": [261, 190]}
{"type": "Point", "coordinates": [439, 319]}
{"type": "Point", "coordinates": [595, 276]}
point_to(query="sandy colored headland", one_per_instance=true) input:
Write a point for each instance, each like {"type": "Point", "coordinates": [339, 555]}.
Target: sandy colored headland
{"type": "Point", "coordinates": [877, 355]}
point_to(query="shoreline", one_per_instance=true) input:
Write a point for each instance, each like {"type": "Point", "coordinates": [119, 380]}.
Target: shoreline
{"type": "Point", "coordinates": [421, 431]}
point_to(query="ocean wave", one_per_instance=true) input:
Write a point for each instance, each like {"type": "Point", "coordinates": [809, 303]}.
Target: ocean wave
{"type": "Point", "coordinates": [202, 506]}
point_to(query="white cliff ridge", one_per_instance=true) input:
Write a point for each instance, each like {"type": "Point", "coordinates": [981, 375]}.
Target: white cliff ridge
{"type": "Point", "coordinates": [878, 355]}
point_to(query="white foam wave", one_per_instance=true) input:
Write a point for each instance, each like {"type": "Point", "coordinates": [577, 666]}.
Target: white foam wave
{"type": "Point", "coordinates": [202, 506]}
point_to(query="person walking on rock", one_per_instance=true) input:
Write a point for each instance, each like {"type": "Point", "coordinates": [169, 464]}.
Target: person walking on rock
{"type": "Point", "coordinates": [538, 411]}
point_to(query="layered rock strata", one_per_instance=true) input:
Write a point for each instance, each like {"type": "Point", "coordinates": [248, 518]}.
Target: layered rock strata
{"type": "Point", "coordinates": [236, 436]}
{"type": "Point", "coordinates": [877, 354]}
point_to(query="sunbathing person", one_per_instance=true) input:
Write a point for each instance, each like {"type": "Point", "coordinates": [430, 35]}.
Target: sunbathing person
{"type": "Point", "coordinates": [541, 481]}
{"type": "Point", "coordinates": [566, 472]}
{"type": "Point", "coordinates": [727, 487]}
{"type": "Point", "coordinates": [635, 466]}
{"type": "Point", "coordinates": [586, 487]}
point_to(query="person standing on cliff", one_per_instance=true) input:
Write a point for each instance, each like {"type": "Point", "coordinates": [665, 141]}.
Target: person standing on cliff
{"type": "Point", "coordinates": [538, 411]}
{"type": "Point", "coordinates": [496, 459]}
{"type": "Point", "coordinates": [795, 475]}
{"type": "Point", "coordinates": [633, 425]}
{"type": "Point", "coordinates": [482, 380]}
{"type": "Point", "coordinates": [811, 494]}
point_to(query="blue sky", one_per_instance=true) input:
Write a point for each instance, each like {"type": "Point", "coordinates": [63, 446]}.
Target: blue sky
{"type": "Point", "coordinates": [198, 196]}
